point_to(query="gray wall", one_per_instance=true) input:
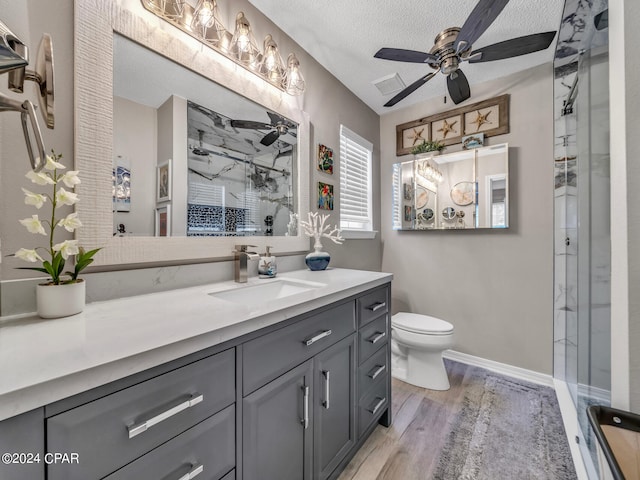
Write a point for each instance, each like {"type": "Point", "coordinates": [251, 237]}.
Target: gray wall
{"type": "Point", "coordinates": [327, 102]}
{"type": "Point", "coordinates": [495, 287]}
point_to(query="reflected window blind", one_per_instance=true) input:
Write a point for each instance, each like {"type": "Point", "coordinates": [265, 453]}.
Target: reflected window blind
{"type": "Point", "coordinates": [202, 192]}
{"type": "Point", "coordinates": [397, 194]}
{"type": "Point", "coordinates": [355, 181]}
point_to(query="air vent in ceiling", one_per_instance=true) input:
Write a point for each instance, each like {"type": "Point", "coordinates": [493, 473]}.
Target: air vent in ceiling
{"type": "Point", "coordinates": [389, 84]}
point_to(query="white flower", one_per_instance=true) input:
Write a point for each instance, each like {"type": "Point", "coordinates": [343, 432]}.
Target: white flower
{"type": "Point", "coordinates": [33, 225]}
{"type": "Point", "coordinates": [70, 178]}
{"type": "Point", "coordinates": [40, 178]}
{"type": "Point", "coordinates": [52, 164]}
{"type": "Point", "coordinates": [28, 255]}
{"type": "Point", "coordinates": [66, 248]}
{"type": "Point", "coordinates": [35, 199]}
{"type": "Point", "coordinates": [66, 198]}
{"type": "Point", "coordinates": [70, 222]}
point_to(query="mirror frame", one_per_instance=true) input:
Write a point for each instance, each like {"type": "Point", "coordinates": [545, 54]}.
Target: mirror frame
{"type": "Point", "coordinates": [95, 22]}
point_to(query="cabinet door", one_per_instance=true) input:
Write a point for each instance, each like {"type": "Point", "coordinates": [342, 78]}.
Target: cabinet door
{"type": "Point", "coordinates": [334, 406]}
{"type": "Point", "coordinates": [277, 428]}
{"type": "Point", "coordinates": [23, 434]}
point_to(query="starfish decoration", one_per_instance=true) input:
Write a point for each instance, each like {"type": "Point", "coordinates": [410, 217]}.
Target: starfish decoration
{"type": "Point", "coordinates": [482, 119]}
{"type": "Point", "coordinates": [447, 127]}
{"type": "Point", "coordinates": [416, 135]}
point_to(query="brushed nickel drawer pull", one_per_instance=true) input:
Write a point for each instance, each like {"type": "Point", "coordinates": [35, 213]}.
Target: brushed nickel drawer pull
{"type": "Point", "coordinates": [320, 336]}
{"type": "Point", "coordinates": [305, 407]}
{"type": "Point", "coordinates": [377, 306]}
{"type": "Point", "coordinates": [378, 371]}
{"type": "Point", "coordinates": [325, 402]}
{"type": "Point", "coordinates": [377, 406]}
{"type": "Point", "coordinates": [195, 471]}
{"type": "Point", "coordinates": [141, 427]}
{"type": "Point", "coordinates": [377, 337]}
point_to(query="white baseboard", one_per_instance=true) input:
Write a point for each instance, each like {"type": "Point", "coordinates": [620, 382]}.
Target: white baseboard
{"type": "Point", "coordinates": [502, 368]}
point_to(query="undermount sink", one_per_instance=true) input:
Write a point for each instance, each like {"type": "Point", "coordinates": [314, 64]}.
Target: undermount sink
{"type": "Point", "coordinates": [269, 290]}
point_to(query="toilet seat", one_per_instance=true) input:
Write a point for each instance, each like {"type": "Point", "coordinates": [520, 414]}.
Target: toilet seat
{"type": "Point", "coordinates": [422, 324]}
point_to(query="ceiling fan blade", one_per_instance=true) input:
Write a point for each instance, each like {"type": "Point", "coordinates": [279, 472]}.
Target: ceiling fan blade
{"type": "Point", "coordinates": [401, 55]}
{"type": "Point", "coordinates": [513, 48]}
{"type": "Point", "coordinates": [250, 124]}
{"type": "Point", "coordinates": [458, 87]}
{"type": "Point", "coordinates": [410, 89]}
{"type": "Point", "coordinates": [481, 17]}
{"type": "Point", "coordinates": [275, 118]}
{"type": "Point", "coordinates": [601, 20]}
{"type": "Point", "coordinates": [269, 138]}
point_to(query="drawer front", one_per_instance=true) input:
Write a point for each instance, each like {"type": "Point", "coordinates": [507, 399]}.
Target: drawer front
{"type": "Point", "coordinates": [372, 305]}
{"type": "Point", "coordinates": [204, 452]}
{"type": "Point", "coordinates": [271, 355]}
{"type": "Point", "coordinates": [372, 337]}
{"type": "Point", "coordinates": [372, 371]}
{"type": "Point", "coordinates": [104, 433]}
{"type": "Point", "coordinates": [230, 476]}
{"type": "Point", "coordinates": [371, 406]}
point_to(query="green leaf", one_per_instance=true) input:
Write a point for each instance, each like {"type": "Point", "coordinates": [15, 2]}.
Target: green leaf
{"type": "Point", "coordinates": [33, 268]}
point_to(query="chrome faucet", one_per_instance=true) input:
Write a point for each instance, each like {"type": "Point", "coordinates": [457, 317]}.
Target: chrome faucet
{"type": "Point", "coordinates": [240, 258]}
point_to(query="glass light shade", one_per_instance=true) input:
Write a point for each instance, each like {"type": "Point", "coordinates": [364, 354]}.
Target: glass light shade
{"type": "Point", "coordinates": [293, 80]}
{"type": "Point", "coordinates": [206, 21]}
{"type": "Point", "coordinates": [271, 66]}
{"type": "Point", "coordinates": [173, 9]}
{"type": "Point", "coordinates": [243, 44]}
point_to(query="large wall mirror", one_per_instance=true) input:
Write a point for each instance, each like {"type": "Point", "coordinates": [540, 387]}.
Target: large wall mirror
{"type": "Point", "coordinates": [461, 190]}
{"type": "Point", "coordinates": [182, 151]}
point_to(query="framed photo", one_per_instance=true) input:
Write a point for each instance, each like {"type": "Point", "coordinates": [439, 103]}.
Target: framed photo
{"type": "Point", "coordinates": [163, 182]}
{"type": "Point", "coordinates": [469, 142]}
{"type": "Point", "coordinates": [163, 221]}
{"type": "Point", "coordinates": [447, 129]}
{"type": "Point", "coordinates": [121, 185]}
{"type": "Point", "coordinates": [325, 196]}
{"type": "Point", "coordinates": [409, 213]}
{"type": "Point", "coordinates": [325, 159]}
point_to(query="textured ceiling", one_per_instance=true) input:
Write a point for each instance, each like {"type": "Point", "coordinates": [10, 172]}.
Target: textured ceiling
{"type": "Point", "coordinates": [343, 35]}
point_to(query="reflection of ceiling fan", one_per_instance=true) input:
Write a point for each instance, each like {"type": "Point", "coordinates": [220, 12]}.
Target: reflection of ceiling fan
{"type": "Point", "coordinates": [279, 126]}
{"type": "Point", "coordinates": [453, 46]}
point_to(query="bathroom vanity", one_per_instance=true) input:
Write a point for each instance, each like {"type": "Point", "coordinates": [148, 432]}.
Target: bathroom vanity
{"type": "Point", "coordinates": [206, 382]}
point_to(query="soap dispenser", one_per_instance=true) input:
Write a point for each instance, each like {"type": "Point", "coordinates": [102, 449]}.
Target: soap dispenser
{"type": "Point", "coordinates": [267, 265]}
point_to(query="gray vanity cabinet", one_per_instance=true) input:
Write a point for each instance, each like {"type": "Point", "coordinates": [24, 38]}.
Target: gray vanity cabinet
{"type": "Point", "coordinates": [23, 434]}
{"type": "Point", "coordinates": [334, 420]}
{"type": "Point", "coordinates": [277, 428]}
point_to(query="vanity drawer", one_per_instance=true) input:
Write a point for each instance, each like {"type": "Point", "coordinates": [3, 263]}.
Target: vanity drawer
{"type": "Point", "coordinates": [372, 371]}
{"type": "Point", "coordinates": [104, 433]}
{"type": "Point", "coordinates": [208, 448]}
{"type": "Point", "coordinates": [371, 406]}
{"type": "Point", "coordinates": [273, 354]}
{"type": "Point", "coordinates": [372, 305]}
{"type": "Point", "coordinates": [372, 337]}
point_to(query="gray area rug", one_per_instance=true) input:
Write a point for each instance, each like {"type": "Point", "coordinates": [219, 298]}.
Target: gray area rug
{"type": "Point", "coordinates": [506, 429]}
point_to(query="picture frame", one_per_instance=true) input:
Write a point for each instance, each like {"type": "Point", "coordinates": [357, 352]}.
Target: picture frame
{"type": "Point", "coordinates": [121, 185]}
{"type": "Point", "coordinates": [163, 221]}
{"type": "Point", "coordinates": [325, 159]}
{"type": "Point", "coordinates": [163, 182]}
{"type": "Point", "coordinates": [469, 142]}
{"type": "Point", "coordinates": [325, 196]}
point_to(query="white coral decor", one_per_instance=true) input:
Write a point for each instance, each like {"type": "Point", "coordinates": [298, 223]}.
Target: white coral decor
{"type": "Point", "coordinates": [317, 228]}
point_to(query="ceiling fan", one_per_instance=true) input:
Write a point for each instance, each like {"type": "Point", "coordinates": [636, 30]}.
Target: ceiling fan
{"type": "Point", "coordinates": [453, 46]}
{"type": "Point", "coordinates": [278, 126]}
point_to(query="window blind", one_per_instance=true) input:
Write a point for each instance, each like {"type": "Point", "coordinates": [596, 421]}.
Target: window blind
{"type": "Point", "coordinates": [355, 181]}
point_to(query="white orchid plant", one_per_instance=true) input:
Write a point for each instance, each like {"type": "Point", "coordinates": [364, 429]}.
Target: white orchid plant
{"type": "Point", "coordinates": [59, 253]}
{"type": "Point", "coordinates": [317, 227]}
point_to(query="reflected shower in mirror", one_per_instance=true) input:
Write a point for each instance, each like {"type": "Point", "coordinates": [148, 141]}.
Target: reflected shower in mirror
{"type": "Point", "coordinates": [192, 158]}
{"type": "Point", "coordinates": [461, 190]}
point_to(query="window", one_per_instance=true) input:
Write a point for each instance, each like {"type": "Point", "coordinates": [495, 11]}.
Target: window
{"type": "Point", "coordinates": [356, 217]}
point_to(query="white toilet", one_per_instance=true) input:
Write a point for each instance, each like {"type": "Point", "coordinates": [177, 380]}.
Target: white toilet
{"type": "Point", "coordinates": [417, 343]}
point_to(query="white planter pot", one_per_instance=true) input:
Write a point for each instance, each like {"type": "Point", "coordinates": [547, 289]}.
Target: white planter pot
{"type": "Point", "coordinates": [55, 301]}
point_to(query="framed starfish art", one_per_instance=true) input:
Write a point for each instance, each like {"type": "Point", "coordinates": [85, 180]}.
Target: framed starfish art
{"type": "Point", "coordinates": [488, 117]}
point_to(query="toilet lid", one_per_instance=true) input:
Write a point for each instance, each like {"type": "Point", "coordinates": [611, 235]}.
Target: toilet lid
{"type": "Point", "coordinates": [416, 323]}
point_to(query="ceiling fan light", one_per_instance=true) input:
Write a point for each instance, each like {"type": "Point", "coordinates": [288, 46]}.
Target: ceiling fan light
{"type": "Point", "coordinates": [271, 65]}
{"type": "Point", "coordinates": [243, 44]}
{"type": "Point", "coordinates": [293, 79]}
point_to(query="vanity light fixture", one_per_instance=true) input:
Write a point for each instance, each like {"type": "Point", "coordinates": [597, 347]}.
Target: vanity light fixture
{"type": "Point", "coordinates": [203, 23]}
{"type": "Point", "coordinates": [428, 171]}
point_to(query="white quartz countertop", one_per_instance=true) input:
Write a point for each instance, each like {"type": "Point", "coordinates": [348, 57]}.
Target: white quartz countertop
{"type": "Point", "coordinates": [43, 361]}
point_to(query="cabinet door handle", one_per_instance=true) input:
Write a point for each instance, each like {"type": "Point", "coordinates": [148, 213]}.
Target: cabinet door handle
{"type": "Point", "coordinates": [305, 407]}
{"type": "Point", "coordinates": [141, 427]}
{"type": "Point", "coordinates": [314, 339]}
{"type": "Point", "coordinates": [380, 368]}
{"type": "Point", "coordinates": [326, 374]}
{"type": "Point", "coordinates": [377, 337]}
{"type": "Point", "coordinates": [195, 471]}
{"type": "Point", "coordinates": [377, 406]}
{"type": "Point", "coordinates": [377, 306]}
